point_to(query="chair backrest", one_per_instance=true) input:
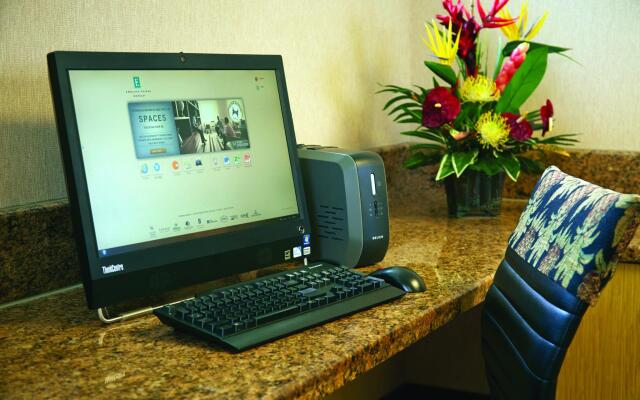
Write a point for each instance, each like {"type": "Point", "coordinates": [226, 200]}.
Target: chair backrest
{"type": "Point", "coordinates": [560, 256]}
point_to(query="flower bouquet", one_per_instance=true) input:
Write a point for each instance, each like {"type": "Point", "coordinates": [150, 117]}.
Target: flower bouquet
{"type": "Point", "coordinates": [471, 119]}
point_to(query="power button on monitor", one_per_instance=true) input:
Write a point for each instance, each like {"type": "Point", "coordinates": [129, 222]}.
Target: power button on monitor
{"type": "Point", "coordinates": [373, 184]}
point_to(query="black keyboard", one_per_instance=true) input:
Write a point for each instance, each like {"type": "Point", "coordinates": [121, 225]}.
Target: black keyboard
{"type": "Point", "coordinates": [254, 312]}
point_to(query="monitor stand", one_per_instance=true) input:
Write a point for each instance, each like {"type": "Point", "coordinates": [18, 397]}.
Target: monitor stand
{"type": "Point", "coordinates": [105, 316]}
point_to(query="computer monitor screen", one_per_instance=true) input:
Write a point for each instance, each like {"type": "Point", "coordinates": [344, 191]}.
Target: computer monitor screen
{"type": "Point", "coordinates": [169, 155]}
{"type": "Point", "coordinates": [177, 168]}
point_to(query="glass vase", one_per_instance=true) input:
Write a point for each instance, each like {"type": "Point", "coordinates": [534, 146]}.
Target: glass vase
{"type": "Point", "coordinates": [474, 194]}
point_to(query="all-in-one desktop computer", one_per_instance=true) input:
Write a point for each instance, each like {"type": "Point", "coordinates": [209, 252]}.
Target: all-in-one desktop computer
{"type": "Point", "coordinates": [183, 168]}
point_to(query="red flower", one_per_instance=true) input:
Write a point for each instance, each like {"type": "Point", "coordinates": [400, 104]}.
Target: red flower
{"type": "Point", "coordinates": [458, 14]}
{"type": "Point", "coordinates": [468, 36]}
{"type": "Point", "coordinates": [464, 22]}
{"type": "Point", "coordinates": [519, 128]}
{"type": "Point", "coordinates": [546, 113]}
{"type": "Point", "coordinates": [440, 106]}
{"type": "Point", "coordinates": [489, 20]}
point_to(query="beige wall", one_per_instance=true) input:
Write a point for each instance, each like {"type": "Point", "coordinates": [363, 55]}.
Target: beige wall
{"type": "Point", "coordinates": [598, 98]}
{"type": "Point", "coordinates": [334, 54]}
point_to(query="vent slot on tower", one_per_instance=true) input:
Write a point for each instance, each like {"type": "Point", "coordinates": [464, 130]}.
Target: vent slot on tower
{"type": "Point", "coordinates": [330, 222]}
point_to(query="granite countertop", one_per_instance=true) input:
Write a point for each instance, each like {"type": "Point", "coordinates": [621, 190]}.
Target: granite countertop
{"type": "Point", "coordinates": [57, 347]}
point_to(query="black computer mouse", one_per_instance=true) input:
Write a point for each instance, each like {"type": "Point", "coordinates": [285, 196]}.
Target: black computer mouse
{"type": "Point", "coordinates": [402, 278]}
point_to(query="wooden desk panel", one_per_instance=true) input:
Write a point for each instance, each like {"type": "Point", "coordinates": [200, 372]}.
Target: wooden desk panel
{"type": "Point", "coordinates": [603, 361]}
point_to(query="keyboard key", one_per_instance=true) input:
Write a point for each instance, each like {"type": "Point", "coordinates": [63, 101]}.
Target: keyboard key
{"type": "Point", "coordinates": [315, 296]}
{"type": "Point", "coordinates": [224, 321]}
{"type": "Point", "coordinates": [181, 311]}
{"type": "Point", "coordinates": [225, 329]}
{"type": "Point", "coordinates": [203, 322]}
{"type": "Point", "coordinates": [250, 323]}
{"type": "Point", "coordinates": [263, 319]}
{"type": "Point", "coordinates": [332, 297]}
{"type": "Point", "coordinates": [239, 326]}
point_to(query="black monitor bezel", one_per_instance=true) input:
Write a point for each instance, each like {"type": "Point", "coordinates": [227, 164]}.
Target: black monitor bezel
{"type": "Point", "coordinates": [157, 269]}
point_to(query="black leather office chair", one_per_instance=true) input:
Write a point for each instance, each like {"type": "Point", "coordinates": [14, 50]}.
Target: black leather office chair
{"type": "Point", "coordinates": [561, 254]}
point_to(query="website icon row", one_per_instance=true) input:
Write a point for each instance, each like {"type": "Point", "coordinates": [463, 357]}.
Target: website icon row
{"type": "Point", "coordinates": [198, 163]}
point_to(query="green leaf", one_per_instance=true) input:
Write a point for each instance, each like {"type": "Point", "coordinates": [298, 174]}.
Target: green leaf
{"type": "Point", "coordinates": [530, 166]}
{"type": "Point", "coordinates": [446, 167]}
{"type": "Point", "coordinates": [510, 164]}
{"type": "Point", "coordinates": [499, 58]}
{"type": "Point", "coordinates": [524, 81]}
{"type": "Point", "coordinates": [461, 67]}
{"type": "Point", "coordinates": [423, 94]}
{"type": "Point", "coordinates": [444, 72]}
{"type": "Point", "coordinates": [429, 135]}
{"type": "Point", "coordinates": [567, 139]}
{"type": "Point", "coordinates": [469, 113]}
{"type": "Point", "coordinates": [395, 89]}
{"type": "Point", "coordinates": [406, 107]}
{"type": "Point", "coordinates": [435, 82]}
{"type": "Point", "coordinates": [419, 159]}
{"type": "Point", "coordinates": [509, 47]}
{"type": "Point", "coordinates": [408, 120]}
{"type": "Point", "coordinates": [431, 146]}
{"type": "Point", "coordinates": [489, 166]}
{"type": "Point", "coordinates": [462, 159]}
{"type": "Point", "coordinates": [393, 100]}
{"type": "Point", "coordinates": [407, 112]}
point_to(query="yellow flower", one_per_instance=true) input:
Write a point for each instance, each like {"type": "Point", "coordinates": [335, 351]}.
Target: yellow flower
{"type": "Point", "coordinates": [516, 31]}
{"type": "Point", "coordinates": [493, 130]}
{"type": "Point", "coordinates": [441, 44]}
{"type": "Point", "coordinates": [479, 89]}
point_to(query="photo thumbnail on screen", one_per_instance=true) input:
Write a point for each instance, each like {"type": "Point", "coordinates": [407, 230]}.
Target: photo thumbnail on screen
{"type": "Point", "coordinates": [170, 128]}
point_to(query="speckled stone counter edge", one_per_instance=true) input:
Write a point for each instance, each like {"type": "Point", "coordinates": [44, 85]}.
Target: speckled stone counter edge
{"type": "Point", "coordinates": [38, 251]}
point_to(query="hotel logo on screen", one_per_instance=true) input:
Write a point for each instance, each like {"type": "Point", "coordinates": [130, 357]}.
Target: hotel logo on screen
{"type": "Point", "coordinates": [136, 82]}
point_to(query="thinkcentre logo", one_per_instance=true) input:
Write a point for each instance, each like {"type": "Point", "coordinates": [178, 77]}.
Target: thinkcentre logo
{"type": "Point", "coordinates": [112, 268]}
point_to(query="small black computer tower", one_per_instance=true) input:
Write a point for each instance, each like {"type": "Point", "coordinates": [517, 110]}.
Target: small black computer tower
{"type": "Point", "coordinates": [346, 195]}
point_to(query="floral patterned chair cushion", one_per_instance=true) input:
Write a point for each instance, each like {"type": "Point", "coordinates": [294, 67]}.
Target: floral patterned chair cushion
{"type": "Point", "coordinates": [572, 231]}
